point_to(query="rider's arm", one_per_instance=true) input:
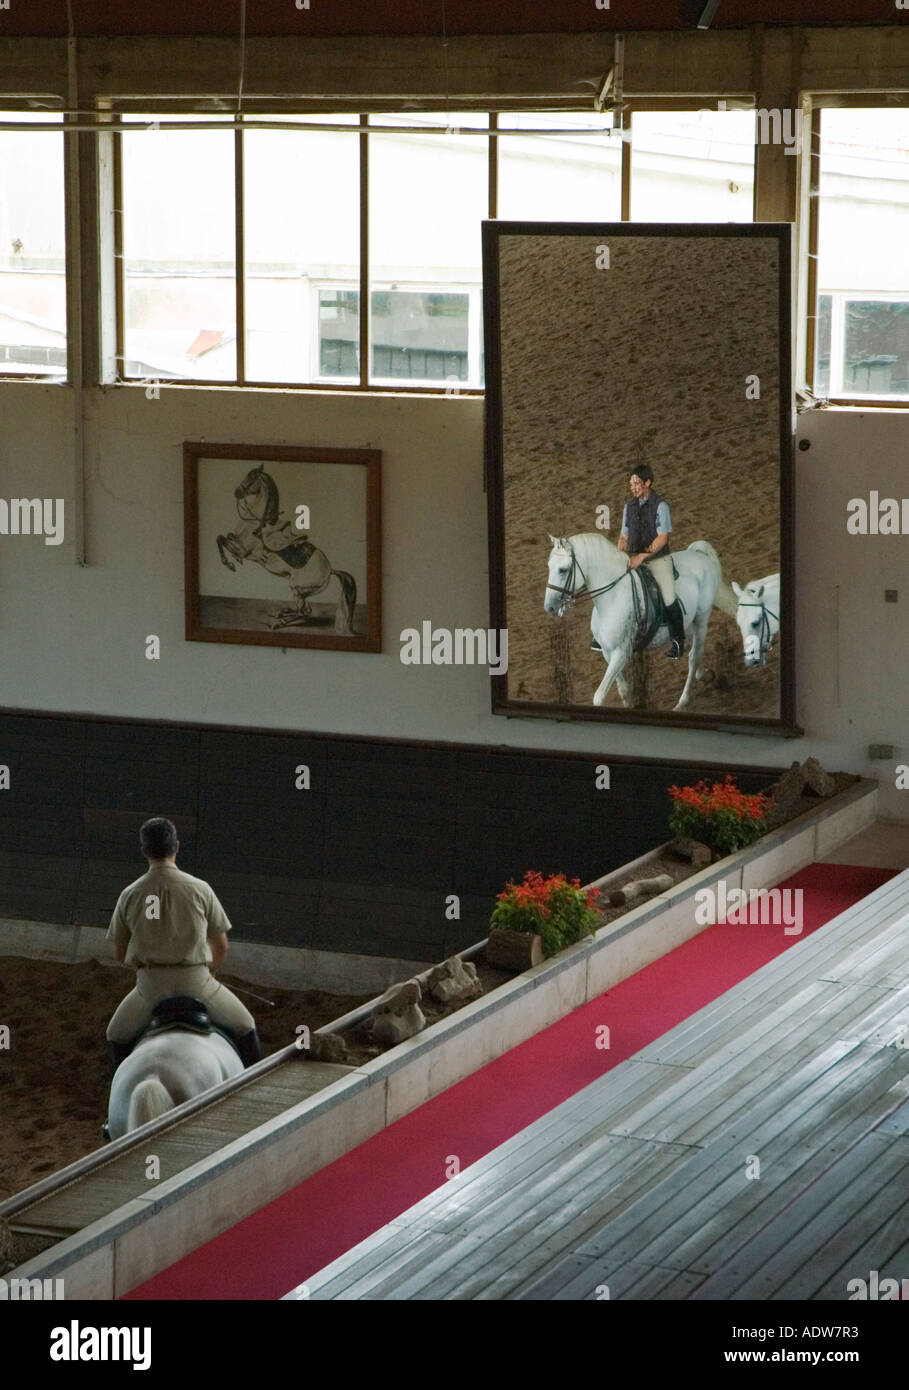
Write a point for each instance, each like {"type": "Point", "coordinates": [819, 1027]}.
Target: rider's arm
{"type": "Point", "coordinates": [218, 946]}
{"type": "Point", "coordinates": [657, 543]}
{"type": "Point", "coordinates": [623, 538]}
{"type": "Point", "coordinates": [118, 931]}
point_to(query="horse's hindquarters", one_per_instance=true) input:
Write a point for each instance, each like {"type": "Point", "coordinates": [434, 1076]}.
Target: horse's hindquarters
{"type": "Point", "coordinates": [176, 1065]}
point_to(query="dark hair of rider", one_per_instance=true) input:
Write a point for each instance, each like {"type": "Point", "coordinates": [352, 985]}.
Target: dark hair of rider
{"type": "Point", "coordinates": [158, 838]}
{"type": "Point", "coordinates": [644, 472]}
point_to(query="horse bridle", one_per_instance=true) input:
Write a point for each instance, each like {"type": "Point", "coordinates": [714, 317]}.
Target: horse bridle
{"type": "Point", "coordinates": [570, 594]}
{"type": "Point", "coordinates": [764, 635]}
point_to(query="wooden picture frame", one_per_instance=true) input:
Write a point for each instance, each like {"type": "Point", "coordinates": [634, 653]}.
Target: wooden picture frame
{"type": "Point", "coordinates": [256, 569]}
{"type": "Point", "coordinates": [612, 344]}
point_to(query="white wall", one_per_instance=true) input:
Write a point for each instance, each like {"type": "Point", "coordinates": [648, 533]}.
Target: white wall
{"type": "Point", "coordinates": [73, 639]}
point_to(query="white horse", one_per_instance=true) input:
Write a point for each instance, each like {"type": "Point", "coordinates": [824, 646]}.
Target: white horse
{"type": "Point", "coordinates": [164, 1069]}
{"type": "Point", "coordinates": [590, 561]}
{"type": "Point", "coordinates": [758, 616]}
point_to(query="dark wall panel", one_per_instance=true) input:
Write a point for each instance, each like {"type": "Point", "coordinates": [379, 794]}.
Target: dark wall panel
{"type": "Point", "coordinates": [361, 861]}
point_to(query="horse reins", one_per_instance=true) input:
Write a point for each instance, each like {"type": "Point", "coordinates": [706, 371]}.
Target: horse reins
{"type": "Point", "coordinates": [765, 636]}
{"type": "Point", "coordinates": [570, 594]}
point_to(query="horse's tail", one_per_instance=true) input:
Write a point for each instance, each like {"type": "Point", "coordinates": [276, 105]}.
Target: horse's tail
{"type": "Point", "coordinates": [150, 1099]}
{"type": "Point", "coordinates": [347, 602]}
{"type": "Point", "coordinates": [725, 600]}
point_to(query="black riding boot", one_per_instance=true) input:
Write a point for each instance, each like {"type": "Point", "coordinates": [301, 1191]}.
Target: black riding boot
{"type": "Point", "coordinates": [250, 1048]}
{"type": "Point", "coordinates": [676, 631]}
{"type": "Point", "coordinates": [117, 1053]}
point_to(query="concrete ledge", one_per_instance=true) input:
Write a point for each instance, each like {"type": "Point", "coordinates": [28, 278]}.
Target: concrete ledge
{"type": "Point", "coordinates": [281, 967]}
{"type": "Point", "coordinates": [148, 1234]}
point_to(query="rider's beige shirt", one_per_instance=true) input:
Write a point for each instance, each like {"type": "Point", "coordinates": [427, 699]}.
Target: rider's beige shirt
{"type": "Point", "coordinates": [166, 918]}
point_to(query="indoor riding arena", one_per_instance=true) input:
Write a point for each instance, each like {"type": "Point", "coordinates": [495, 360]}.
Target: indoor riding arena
{"type": "Point", "coordinates": [453, 737]}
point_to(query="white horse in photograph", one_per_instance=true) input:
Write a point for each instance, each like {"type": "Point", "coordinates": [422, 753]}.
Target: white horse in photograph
{"type": "Point", "coordinates": [758, 616]}
{"type": "Point", "coordinates": [588, 561]}
{"type": "Point", "coordinates": [164, 1069]}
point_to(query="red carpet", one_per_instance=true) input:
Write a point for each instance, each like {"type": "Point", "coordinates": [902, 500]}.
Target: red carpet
{"type": "Point", "coordinates": [286, 1242]}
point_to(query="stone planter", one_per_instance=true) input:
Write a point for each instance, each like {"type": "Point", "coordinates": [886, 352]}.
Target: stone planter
{"type": "Point", "coordinates": [513, 950]}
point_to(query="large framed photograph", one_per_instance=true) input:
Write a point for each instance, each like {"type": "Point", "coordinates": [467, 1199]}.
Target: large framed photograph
{"type": "Point", "coordinates": [283, 546]}
{"type": "Point", "coordinates": [639, 471]}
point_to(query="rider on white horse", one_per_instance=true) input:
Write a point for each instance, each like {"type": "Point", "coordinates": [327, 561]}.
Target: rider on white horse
{"type": "Point", "coordinates": [170, 927]}
{"type": "Point", "coordinates": [646, 524]}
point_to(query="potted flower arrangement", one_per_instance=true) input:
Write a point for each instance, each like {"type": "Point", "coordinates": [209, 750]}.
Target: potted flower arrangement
{"type": "Point", "coordinates": [718, 815]}
{"type": "Point", "coordinates": [538, 918]}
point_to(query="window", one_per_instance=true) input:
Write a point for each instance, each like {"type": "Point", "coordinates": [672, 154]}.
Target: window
{"type": "Point", "coordinates": [563, 177]}
{"type": "Point", "coordinates": [301, 220]}
{"type": "Point", "coordinates": [861, 347]}
{"type": "Point", "coordinates": [178, 288]}
{"type": "Point", "coordinates": [32, 249]}
{"type": "Point", "coordinates": [428, 195]}
{"type": "Point", "coordinates": [692, 166]}
{"type": "Point", "coordinates": [279, 197]}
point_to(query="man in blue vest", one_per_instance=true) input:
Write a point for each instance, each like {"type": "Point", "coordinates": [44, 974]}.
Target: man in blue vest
{"type": "Point", "coordinates": [646, 525]}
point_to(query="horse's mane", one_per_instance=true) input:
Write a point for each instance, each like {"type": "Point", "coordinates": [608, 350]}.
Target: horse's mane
{"type": "Point", "coordinates": [273, 504]}
{"type": "Point", "coordinates": [589, 541]}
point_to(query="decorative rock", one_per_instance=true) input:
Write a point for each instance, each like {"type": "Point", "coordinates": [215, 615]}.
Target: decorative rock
{"type": "Point", "coordinates": [817, 781]}
{"type": "Point", "coordinates": [395, 998]}
{"type": "Point", "coordinates": [453, 979]}
{"type": "Point", "coordinates": [640, 888]}
{"type": "Point", "coordinates": [785, 793]}
{"type": "Point", "coordinates": [394, 1028]}
{"type": "Point", "coordinates": [398, 1014]}
{"type": "Point", "coordinates": [695, 850]}
{"type": "Point", "coordinates": [328, 1047]}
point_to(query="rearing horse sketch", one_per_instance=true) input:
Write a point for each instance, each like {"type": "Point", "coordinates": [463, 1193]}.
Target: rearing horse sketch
{"type": "Point", "coordinates": [277, 546]}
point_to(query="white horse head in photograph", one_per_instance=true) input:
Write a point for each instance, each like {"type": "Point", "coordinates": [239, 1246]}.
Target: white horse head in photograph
{"type": "Point", "coordinates": [758, 616]}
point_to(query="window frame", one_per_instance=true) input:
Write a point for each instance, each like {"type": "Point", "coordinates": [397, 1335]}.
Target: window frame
{"type": "Point", "coordinates": [807, 373]}
{"type": "Point", "coordinates": [26, 106]}
{"type": "Point", "coordinates": [195, 112]}
{"type": "Point", "coordinates": [264, 110]}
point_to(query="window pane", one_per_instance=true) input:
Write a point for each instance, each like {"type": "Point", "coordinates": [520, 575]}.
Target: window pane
{"type": "Point", "coordinates": [179, 253]}
{"type": "Point", "coordinates": [692, 166]}
{"type": "Point", "coordinates": [863, 211]}
{"type": "Point", "coordinates": [822, 345]}
{"type": "Point", "coordinates": [32, 249]}
{"type": "Point", "coordinates": [339, 334]}
{"type": "Point", "coordinates": [302, 233]}
{"type": "Point", "coordinates": [559, 177]}
{"type": "Point", "coordinates": [428, 196]}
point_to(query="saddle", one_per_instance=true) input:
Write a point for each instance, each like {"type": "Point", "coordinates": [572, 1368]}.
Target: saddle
{"type": "Point", "coordinates": [184, 1012]}
{"type": "Point", "coordinates": [649, 608]}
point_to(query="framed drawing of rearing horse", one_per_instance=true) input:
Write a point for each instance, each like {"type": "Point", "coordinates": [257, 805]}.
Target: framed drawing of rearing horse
{"type": "Point", "coordinates": [639, 421]}
{"type": "Point", "coordinates": [283, 546]}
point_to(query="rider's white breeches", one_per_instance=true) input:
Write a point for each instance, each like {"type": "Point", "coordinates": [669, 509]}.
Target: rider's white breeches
{"type": "Point", "coordinates": [661, 569]}
{"type": "Point", "coordinates": [163, 982]}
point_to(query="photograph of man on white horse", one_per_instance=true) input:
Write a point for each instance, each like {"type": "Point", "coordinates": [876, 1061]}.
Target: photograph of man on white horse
{"type": "Point", "coordinates": [666, 600]}
{"type": "Point", "coordinates": [638, 464]}
{"type": "Point", "coordinates": [179, 1031]}
{"type": "Point", "coordinates": [268, 537]}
